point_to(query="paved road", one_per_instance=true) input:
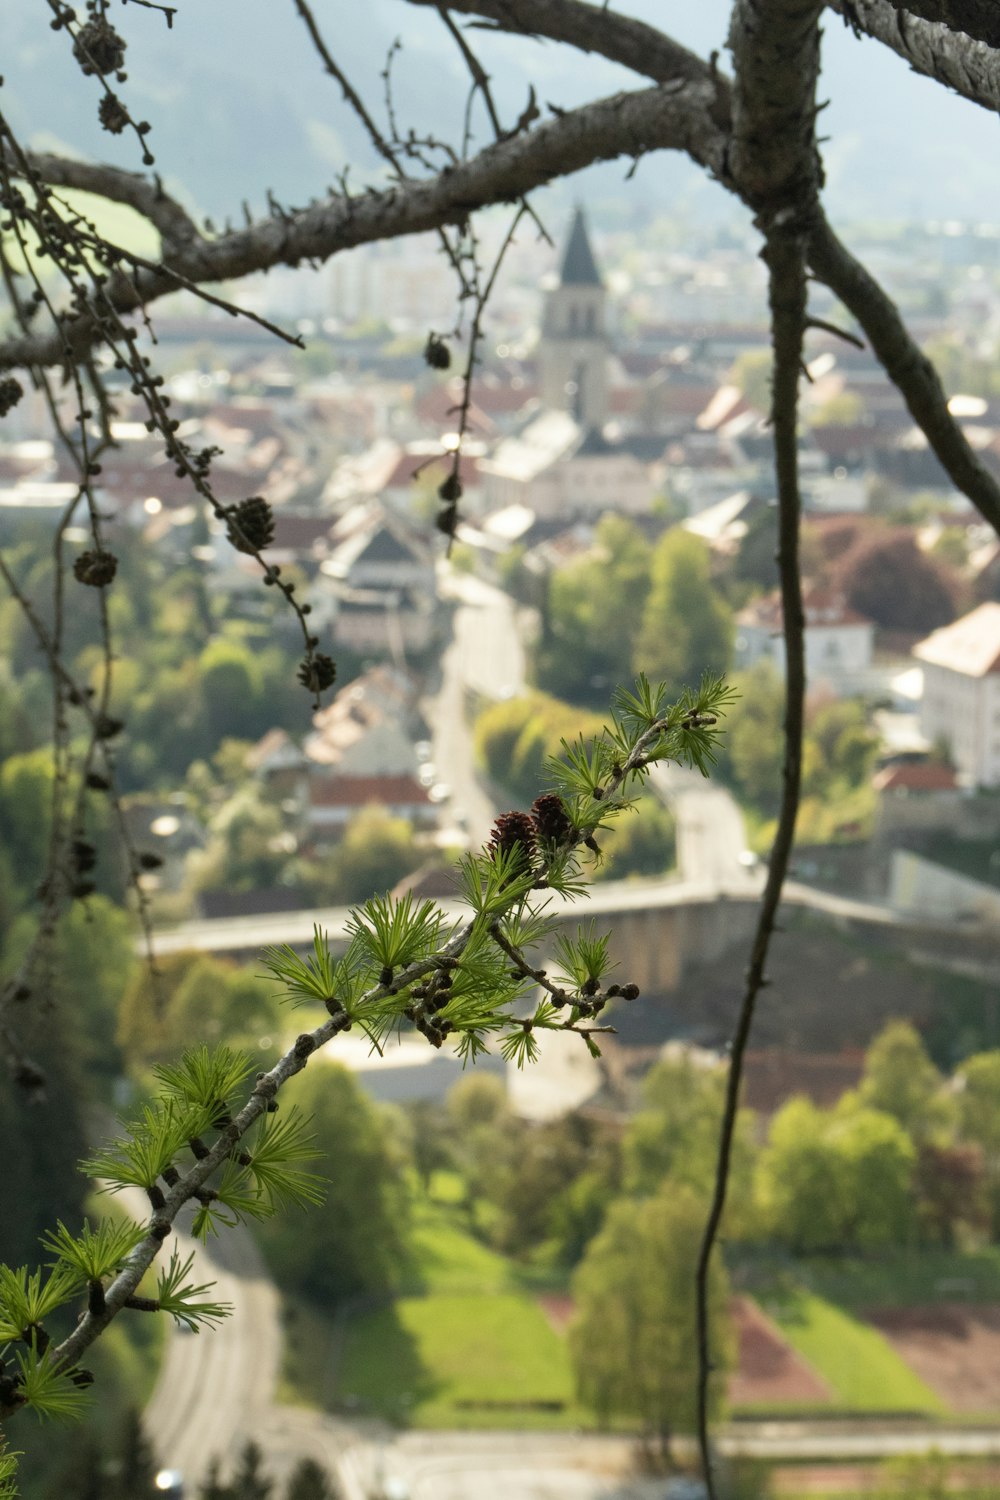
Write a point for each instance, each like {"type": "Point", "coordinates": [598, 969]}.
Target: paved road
{"type": "Point", "coordinates": [711, 835]}
{"type": "Point", "coordinates": [216, 1387]}
{"type": "Point", "coordinates": [490, 655]}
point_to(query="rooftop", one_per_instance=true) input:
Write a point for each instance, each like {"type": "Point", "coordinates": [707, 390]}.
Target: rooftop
{"type": "Point", "coordinates": [970, 646]}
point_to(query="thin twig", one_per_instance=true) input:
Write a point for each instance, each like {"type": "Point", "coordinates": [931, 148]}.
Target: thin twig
{"type": "Point", "coordinates": [786, 263]}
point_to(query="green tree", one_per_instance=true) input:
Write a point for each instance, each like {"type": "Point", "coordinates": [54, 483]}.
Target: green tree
{"type": "Point", "coordinates": [376, 851]}
{"type": "Point", "coordinates": [686, 627]}
{"type": "Point", "coordinates": [26, 812]}
{"type": "Point", "coordinates": [642, 844]}
{"type": "Point", "coordinates": [877, 1161]}
{"type": "Point", "coordinates": [136, 1476]}
{"type": "Point", "coordinates": [356, 1241]}
{"type": "Point", "coordinates": [632, 1340]}
{"type": "Point", "coordinates": [310, 1481]}
{"type": "Point", "coordinates": [193, 995]}
{"type": "Point", "coordinates": [751, 373]}
{"type": "Point", "coordinates": [752, 754]}
{"type": "Point", "coordinates": [674, 1136]}
{"type": "Point", "coordinates": [978, 1104]}
{"type": "Point", "coordinates": [591, 615]}
{"type": "Point", "coordinates": [900, 1079]}
{"type": "Point", "coordinates": [232, 685]}
{"type": "Point", "coordinates": [250, 1481]}
{"type": "Point", "coordinates": [799, 1179]}
{"type": "Point", "coordinates": [832, 1179]}
{"type": "Point", "coordinates": [514, 740]}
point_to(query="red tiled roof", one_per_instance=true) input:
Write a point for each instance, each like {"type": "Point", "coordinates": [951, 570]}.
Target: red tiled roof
{"type": "Point", "coordinates": [358, 791]}
{"type": "Point", "coordinates": [915, 776]}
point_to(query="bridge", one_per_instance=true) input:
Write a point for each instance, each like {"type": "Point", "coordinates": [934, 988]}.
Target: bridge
{"type": "Point", "coordinates": [659, 928]}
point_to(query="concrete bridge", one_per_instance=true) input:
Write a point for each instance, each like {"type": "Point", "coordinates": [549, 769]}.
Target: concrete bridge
{"type": "Point", "coordinates": [659, 929]}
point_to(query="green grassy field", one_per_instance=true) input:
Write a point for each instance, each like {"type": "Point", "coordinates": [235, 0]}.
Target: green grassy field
{"type": "Point", "coordinates": [472, 1348]}
{"type": "Point", "coordinates": [863, 1371]}
{"type": "Point", "coordinates": [467, 1343]}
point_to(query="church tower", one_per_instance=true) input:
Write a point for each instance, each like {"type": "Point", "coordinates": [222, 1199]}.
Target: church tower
{"type": "Point", "coordinates": [573, 352]}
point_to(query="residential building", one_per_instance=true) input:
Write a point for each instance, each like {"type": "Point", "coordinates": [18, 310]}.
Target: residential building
{"type": "Point", "coordinates": [961, 702]}
{"type": "Point", "coordinates": [838, 641]}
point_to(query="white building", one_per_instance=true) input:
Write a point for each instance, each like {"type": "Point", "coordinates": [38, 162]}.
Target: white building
{"type": "Point", "coordinates": [961, 702]}
{"type": "Point", "coordinates": [838, 641]}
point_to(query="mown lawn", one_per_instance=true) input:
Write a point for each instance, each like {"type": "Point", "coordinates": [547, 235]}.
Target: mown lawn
{"type": "Point", "coordinates": [471, 1348]}
{"type": "Point", "coordinates": [863, 1371]}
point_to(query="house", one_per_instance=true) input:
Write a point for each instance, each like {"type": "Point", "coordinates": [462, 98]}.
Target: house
{"type": "Point", "coordinates": [559, 470]}
{"type": "Point", "coordinates": [335, 800]}
{"type": "Point", "coordinates": [366, 729]}
{"type": "Point", "coordinates": [379, 583]}
{"type": "Point", "coordinates": [961, 701]}
{"type": "Point", "coordinates": [838, 641]}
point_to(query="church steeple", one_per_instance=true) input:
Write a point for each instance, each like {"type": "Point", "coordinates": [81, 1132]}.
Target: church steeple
{"type": "Point", "coordinates": [573, 352]}
{"type": "Point", "coordinates": [579, 267]}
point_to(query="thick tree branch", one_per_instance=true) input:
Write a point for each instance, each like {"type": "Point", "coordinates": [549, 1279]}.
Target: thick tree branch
{"type": "Point", "coordinates": [907, 366]}
{"type": "Point", "coordinates": [673, 117]}
{"type": "Point", "coordinates": [137, 191]}
{"type": "Point", "coordinates": [971, 68]}
{"type": "Point", "coordinates": [593, 28]}
{"type": "Point", "coordinates": [979, 19]}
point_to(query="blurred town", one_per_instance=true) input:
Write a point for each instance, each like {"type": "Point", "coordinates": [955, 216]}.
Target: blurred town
{"type": "Point", "coordinates": [617, 515]}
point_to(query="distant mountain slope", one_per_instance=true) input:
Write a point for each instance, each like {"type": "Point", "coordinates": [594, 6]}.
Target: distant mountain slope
{"type": "Point", "coordinates": [239, 103]}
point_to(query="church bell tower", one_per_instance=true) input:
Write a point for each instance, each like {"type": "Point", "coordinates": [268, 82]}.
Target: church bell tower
{"type": "Point", "coordinates": [573, 352]}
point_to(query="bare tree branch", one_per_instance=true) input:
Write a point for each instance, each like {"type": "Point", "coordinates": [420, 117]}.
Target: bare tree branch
{"type": "Point", "coordinates": [677, 117]}
{"type": "Point", "coordinates": [971, 68]}
{"type": "Point", "coordinates": [979, 19]}
{"type": "Point", "coordinates": [593, 28]}
{"type": "Point", "coordinates": [906, 365]}
{"type": "Point", "coordinates": [775, 166]}
{"type": "Point", "coordinates": [148, 198]}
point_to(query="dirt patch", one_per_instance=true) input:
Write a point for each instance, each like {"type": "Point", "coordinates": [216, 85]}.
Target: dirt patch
{"type": "Point", "coordinates": [767, 1368]}
{"type": "Point", "coordinates": [953, 1346]}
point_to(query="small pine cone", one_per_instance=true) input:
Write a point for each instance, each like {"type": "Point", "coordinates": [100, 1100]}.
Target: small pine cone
{"type": "Point", "coordinates": [106, 726]}
{"type": "Point", "coordinates": [318, 672]}
{"type": "Point", "coordinates": [99, 48]}
{"type": "Point", "coordinates": [450, 489]}
{"type": "Point", "coordinates": [436, 353]}
{"type": "Point", "coordinates": [630, 992]}
{"type": "Point", "coordinates": [255, 520]}
{"type": "Point", "coordinates": [513, 830]}
{"type": "Point", "coordinates": [447, 520]}
{"type": "Point", "coordinates": [95, 568]}
{"type": "Point", "coordinates": [84, 855]}
{"type": "Point", "coordinates": [112, 114]}
{"type": "Point", "coordinates": [551, 819]}
{"type": "Point", "coordinates": [11, 391]}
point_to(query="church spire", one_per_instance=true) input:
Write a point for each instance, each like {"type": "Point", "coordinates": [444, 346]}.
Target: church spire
{"type": "Point", "coordinates": [579, 267]}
